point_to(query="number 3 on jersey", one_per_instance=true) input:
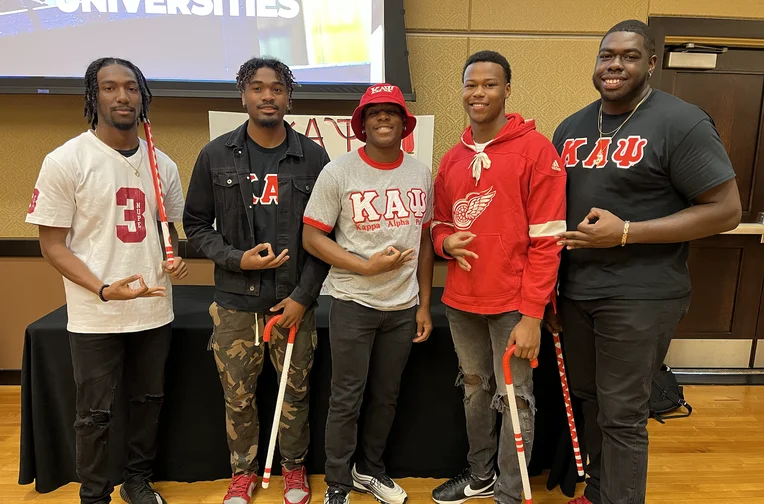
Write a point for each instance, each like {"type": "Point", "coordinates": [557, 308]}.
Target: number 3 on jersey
{"type": "Point", "coordinates": [134, 215]}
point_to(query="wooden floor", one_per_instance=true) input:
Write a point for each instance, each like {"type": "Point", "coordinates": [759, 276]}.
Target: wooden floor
{"type": "Point", "coordinates": [715, 456]}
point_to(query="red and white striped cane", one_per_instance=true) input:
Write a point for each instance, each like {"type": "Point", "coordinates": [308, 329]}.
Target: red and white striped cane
{"type": "Point", "coordinates": [568, 404]}
{"type": "Point", "coordinates": [282, 391]}
{"type": "Point", "coordinates": [159, 193]}
{"type": "Point", "coordinates": [516, 421]}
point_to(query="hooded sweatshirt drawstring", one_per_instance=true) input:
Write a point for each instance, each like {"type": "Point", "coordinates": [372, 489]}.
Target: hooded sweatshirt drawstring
{"type": "Point", "coordinates": [480, 161]}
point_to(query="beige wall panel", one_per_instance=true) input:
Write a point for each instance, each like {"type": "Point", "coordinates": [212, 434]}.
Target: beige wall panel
{"type": "Point", "coordinates": [38, 290]}
{"type": "Point", "coordinates": [32, 126]}
{"type": "Point", "coordinates": [752, 9]}
{"type": "Point", "coordinates": [437, 15]}
{"type": "Point", "coordinates": [436, 65]}
{"type": "Point", "coordinates": [554, 16]}
{"type": "Point", "coordinates": [759, 358]}
{"type": "Point", "coordinates": [551, 78]}
{"type": "Point", "coordinates": [439, 273]}
{"type": "Point", "coordinates": [709, 353]}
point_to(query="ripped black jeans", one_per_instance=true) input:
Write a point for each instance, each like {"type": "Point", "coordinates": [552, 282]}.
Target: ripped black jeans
{"type": "Point", "coordinates": [99, 361]}
{"type": "Point", "coordinates": [480, 341]}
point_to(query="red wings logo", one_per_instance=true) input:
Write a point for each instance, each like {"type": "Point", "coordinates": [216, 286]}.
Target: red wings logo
{"type": "Point", "coordinates": [469, 208]}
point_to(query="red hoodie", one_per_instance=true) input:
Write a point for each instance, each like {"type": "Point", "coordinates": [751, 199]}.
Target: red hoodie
{"type": "Point", "coordinates": [512, 197]}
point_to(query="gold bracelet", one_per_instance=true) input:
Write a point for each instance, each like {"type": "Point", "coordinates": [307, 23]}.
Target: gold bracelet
{"type": "Point", "coordinates": [625, 233]}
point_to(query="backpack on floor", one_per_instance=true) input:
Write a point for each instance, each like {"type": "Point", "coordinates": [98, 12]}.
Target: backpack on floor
{"type": "Point", "coordinates": [667, 396]}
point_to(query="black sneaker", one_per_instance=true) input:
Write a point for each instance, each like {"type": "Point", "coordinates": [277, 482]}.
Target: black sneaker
{"type": "Point", "coordinates": [336, 495]}
{"type": "Point", "coordinates": [464, 487]}
{"type": "Point", "coordinates": [138, 491]}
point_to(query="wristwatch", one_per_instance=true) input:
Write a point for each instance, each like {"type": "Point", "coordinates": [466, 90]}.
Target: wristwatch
{"type": "Point", "coordinates": [100, 292]}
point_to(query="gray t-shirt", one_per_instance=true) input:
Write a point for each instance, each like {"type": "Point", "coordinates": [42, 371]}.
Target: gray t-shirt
{"type": "Point", "coordinates": [372, 206]}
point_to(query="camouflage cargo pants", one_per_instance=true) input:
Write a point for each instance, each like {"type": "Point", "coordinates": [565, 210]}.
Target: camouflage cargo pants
{"type": "Point", "coordinates": [239, 361]}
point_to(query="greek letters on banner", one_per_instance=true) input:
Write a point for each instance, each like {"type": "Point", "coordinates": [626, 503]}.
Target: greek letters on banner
{"type": "Point", "coordinates": [334, 133]}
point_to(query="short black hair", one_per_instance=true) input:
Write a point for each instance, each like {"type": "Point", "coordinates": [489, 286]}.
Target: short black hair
{"type": "Point", "coordinates": [638, 27]}
{"type": "Point", "coordinates": [490, 57]}
{"type": "Point", "coordinates": [250, 68]}
{"type": "Point", "coordinates": [91, 88]}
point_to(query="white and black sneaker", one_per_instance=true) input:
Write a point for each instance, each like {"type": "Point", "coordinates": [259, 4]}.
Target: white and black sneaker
{"type": "Point", "coordinates": [384, 489]}
{"type": "Point", "coordinates": [464, 487]}
{"type": "Point", "coordinates": [139, 491]}
{"type": "Point", "coordinates": [336, 495]}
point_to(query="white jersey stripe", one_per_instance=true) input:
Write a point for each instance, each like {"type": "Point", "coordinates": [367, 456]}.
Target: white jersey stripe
{"type": "Point", "coordinates": [550, 228]}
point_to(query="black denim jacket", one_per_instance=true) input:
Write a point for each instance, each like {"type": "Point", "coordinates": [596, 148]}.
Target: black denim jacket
{"type": "Point", "coordinates": [220, 192]}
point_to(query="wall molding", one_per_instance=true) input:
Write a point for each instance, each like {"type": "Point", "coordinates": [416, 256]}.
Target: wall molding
{"type": "Point", "coordinates": [718, 377]}
{"type": "Point", "coordinates": [10, 377]}
{"type": "Point", "coordinates": [503, 35]}
{"type": "Point", "coordinates": [30, 248]}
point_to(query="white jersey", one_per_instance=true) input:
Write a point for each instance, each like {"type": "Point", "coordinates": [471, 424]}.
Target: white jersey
{"type": "Point", "coordinates": [89, 187]}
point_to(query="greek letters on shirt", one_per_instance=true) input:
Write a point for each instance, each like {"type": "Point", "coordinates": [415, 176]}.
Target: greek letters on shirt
{"type": "Point", "coordinates": [270, 194]}
{"type": "Point", "coordinates": [626, 153]}
{"type": "Point", "coordinates": [372, 211]}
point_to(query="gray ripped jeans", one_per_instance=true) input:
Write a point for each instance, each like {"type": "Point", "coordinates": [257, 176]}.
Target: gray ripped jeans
{"type": "Point", "coordinates": [480, 341]}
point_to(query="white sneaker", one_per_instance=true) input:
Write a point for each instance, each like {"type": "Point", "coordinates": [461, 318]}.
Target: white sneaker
{"type": "Point", "coordinates": [384, 489]}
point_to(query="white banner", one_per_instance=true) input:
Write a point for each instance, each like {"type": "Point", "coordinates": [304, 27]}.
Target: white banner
{"type": "Point", "coordinates": [334, 133]}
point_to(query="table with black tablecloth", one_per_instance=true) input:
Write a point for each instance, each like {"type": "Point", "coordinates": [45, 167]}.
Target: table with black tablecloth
{"type": "Point", "coordinates": [427, 439]}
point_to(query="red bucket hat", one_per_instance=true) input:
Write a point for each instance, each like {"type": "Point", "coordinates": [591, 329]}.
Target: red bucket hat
{"type": "Point", "coordinates": [381, 93]}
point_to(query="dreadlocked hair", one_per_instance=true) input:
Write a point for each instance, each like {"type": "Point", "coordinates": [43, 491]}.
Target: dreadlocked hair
{"type": "Point", "coordinates": [250, 68]}
{"type": "Point", "coordinates": [91, 88]}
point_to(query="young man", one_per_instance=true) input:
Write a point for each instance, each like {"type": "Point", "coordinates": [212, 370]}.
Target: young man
{"type": "Point", "coordinates": [499, 201]}
{"type": "Point", "coordinates": [378, 202]}
{"type": "Point", "coordinates": [244, 211]}
{"type": "Point", "coordinates": [95, 205]}
{"type": "Point", "coordinates": [647, 174]}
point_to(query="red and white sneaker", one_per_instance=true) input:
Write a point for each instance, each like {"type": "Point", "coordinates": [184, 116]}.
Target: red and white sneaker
{"type": "Point", "coordinates": [580, 500]}
{"type": "Point", "coordinates": [296, 487]}
{"type": "Point", "coordinates": [241, 488]}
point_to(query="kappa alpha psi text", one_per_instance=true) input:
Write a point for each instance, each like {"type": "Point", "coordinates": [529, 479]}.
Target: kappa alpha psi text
{"type": "Point", "coordinates": [396, 212]}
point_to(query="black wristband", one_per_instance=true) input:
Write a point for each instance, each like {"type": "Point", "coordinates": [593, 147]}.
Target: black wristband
{"type": "Point", "coordinates": [100, 292]}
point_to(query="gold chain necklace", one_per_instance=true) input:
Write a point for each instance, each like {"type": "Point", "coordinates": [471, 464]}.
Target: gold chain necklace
{"type": "Point", "coordinates": [613, 133]}
{"type": "Point", "coordinates": [140, 163]}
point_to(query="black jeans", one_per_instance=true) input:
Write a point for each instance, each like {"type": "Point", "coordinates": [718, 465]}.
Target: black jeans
{"type": "Point", "coordinates": [613, 348]}
{"type": "Point", "coordinates": [99, 361]}
{"type": "Point", "coordinates": [368, 347]}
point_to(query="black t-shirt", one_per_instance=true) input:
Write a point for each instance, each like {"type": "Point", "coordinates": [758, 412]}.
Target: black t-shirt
{"type": "Point", "coordinates": [129, 152]}
{"type": "Point", "coordinates": [263, 173]}
{"type": "Point", "coordinates": [666, 154]}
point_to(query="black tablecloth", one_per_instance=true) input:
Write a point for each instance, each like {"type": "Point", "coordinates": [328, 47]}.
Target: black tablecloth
{"type": "Point", "coordinates": [427, 439]}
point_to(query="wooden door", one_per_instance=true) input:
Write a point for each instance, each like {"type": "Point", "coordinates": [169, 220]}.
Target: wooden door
{"type": "Point", "coordinates": [727, 271]}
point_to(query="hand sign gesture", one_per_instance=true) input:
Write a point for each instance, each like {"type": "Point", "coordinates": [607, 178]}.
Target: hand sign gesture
{"type": "Point", "coordinates": [388, 260]}
{"type": "Point", "coordinates": [455, 246]}
{"type": "Point", "coordinates": [252, 260]}
{"type": "Point", "coordinates": [121, 290]}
